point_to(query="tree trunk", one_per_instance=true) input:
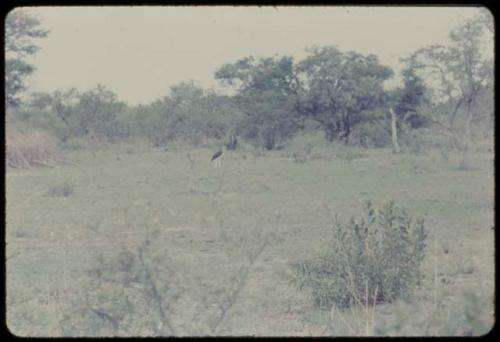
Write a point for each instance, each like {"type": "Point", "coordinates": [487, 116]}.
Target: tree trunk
{"type": "Point", "coordinates": [395, 144]}
{"type": "Point", "coordinates": [330, 133]}
{"type": "Point", "coordinates": [466, 138]}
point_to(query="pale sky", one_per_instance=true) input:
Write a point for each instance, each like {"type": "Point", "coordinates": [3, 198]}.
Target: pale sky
{"type": "Point", "coordinates": [140, 52]}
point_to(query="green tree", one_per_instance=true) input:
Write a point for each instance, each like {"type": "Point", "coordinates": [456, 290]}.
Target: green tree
{"type": "Point", "coordinates": [62, 105]}
{"type": "Point", "coordinates": [188, 112]}
{"type": "Point", "coordinates": [410, 99]}
{"type": "Point", "coordinates": [265, 95]}
{"type": "Point", "coordinates": [70, 113]}
{"type": "Point", "coordinates": [148, 121]}
{"type": "Point", "coordinates": [338, 89]}
{"type": "Point", "coordinates": [98, 111]}
{"type": "Point", "coordinates": [21, 29]}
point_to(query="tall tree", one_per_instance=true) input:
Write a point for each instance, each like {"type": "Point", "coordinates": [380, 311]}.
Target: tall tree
{"type": "Point", "coordinates": [410, 99]}
{"type": "Point", "coordinates": [459, 74]}
{"type": "Point", "coordinates": [98, 111]}
{"type": "Point", "coordinates": [405, 105]}
{"type": "Point", "coordinates": [338, 88]}
{"type": "Point", "coordinates": [21, 29]}
{"type": "Point", "coordinates": [265, 94]}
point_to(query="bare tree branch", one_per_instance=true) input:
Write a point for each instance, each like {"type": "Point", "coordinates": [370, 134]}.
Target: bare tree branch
{"type": "Point", "coordinates": [153, 292]}
{"type": "Point", "coordinates": [231, 300]}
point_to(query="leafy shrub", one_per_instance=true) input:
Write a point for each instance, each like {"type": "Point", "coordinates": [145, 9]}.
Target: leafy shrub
{"type": "Point", "coordinates": [372, 260]}
{"type": "Point", "coordinates": [29, 118]}
{"type": "Point", "coordinates": [61, 190]}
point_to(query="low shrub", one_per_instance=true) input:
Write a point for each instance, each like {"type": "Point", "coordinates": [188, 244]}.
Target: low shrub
{"type": "Point", "coordinates": [371, 134]}
{"type": "Point", "coordinates": [61, 190]}
{"type": "Point", "coordinates": [348, 153]}
{"type": "Point", "coordinates": [372, 260]}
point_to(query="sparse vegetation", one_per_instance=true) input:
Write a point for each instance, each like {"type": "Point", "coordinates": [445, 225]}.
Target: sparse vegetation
{"type": "Point", "coordinates": [155, 241]}
{"type": "Point", "coordinates": [209, 232]}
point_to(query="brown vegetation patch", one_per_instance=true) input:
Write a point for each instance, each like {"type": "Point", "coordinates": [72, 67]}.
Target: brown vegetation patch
{"type": "Point", "coordinates": [26, 149]}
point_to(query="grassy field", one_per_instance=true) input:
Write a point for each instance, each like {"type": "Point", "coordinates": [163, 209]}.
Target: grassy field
{"type": "Point", "coordinates": [209, 220]}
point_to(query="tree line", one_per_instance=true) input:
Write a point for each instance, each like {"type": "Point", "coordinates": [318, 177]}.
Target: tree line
{"type": "Point", "coordinates": [341, 93]}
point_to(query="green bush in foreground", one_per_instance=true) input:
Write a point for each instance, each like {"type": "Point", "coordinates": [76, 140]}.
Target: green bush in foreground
{"type": "Point", "coordinates": [372, 260]}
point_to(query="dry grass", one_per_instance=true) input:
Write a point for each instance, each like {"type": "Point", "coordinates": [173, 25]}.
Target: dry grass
{"type": "Point", "coordinates": [26, 149]}
{"type": "Point", "coordinates": [206, 235]}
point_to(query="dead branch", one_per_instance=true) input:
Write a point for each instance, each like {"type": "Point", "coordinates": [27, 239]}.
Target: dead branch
{"type": "Point", "coordinates": [153, 291]}
{"type": "Point", "coordinates": [107, 318]}
{"type": "Point", "coordinates": [231, 300]}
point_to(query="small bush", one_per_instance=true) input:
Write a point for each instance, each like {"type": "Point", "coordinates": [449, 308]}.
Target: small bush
{"type": "Point", "coordinates": [75, 144]}
{"type": "Point", "coordinates": [61, 190]}
{"type": "Point", "coordinates": [300, 148]}
{"type": "Point", "coordinates": [26, 149]}
{"type": "Point", "coordinates": [372, 260]}
{"type": "Point", "coordinates": [348, 153]}
{"type": "Point", "coordinates": [371, 134]}
{"type": "Point", "coordinates": [311, 145]}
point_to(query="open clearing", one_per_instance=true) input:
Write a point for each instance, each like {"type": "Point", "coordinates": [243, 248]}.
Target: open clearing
{"type": "Point", "coordinates": [208, 218]}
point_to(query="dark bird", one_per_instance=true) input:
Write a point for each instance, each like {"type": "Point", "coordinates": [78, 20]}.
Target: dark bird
{"type": "Point", "coordinates": [217, 157]}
